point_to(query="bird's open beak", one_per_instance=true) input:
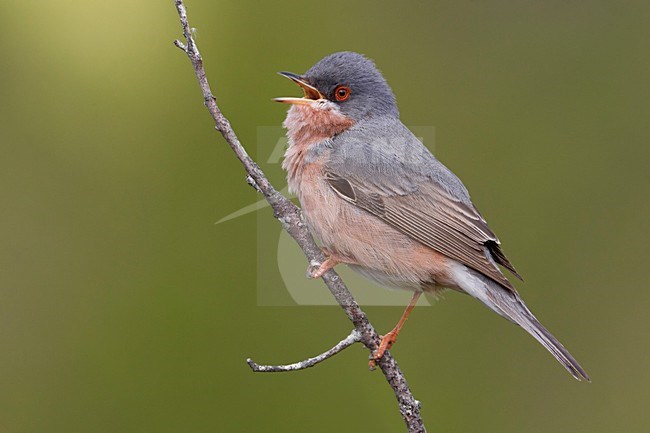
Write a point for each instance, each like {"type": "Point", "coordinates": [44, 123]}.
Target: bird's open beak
{"type": "Point", "coordinates": [311, 94]}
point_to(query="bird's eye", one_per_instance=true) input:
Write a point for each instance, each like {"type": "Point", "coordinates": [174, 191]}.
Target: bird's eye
{"type": "Point", "coordinates": [342, 93]}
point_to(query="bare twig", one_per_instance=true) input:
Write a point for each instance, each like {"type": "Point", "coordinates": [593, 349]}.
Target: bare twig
{"type": "Point", "coordinates": [291, 218]}
{"type": "Point", "coordinates": [348, 341]}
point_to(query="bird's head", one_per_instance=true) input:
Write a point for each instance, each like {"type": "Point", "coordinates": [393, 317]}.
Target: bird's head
{"type": "Point", "coordinates": [345, 84]}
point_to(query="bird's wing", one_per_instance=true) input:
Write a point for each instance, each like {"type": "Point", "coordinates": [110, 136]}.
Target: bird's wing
{"type": "Point", "coordinates": [414, 193]}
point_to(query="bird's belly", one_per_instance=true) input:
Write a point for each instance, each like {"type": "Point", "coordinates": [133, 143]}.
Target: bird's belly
{"type": "Point", "coordinates": [370, 246]}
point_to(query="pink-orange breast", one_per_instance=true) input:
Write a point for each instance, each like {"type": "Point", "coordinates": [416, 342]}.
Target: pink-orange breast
{"type": "Point", "coordinates": [369, 245]}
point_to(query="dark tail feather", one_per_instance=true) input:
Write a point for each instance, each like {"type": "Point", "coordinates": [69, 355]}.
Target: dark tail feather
{"type": "Point", "coordinates": [509, 305]}
{"type": "Point", "coordinates": [541, 334]}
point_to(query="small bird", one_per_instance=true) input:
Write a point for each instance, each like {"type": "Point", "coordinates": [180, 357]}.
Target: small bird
{"type": "Point", "coordinates": [382, 204]}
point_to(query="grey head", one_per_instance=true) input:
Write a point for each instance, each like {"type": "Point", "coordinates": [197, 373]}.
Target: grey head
{"type": "Point", "coordinates": [352, 82]}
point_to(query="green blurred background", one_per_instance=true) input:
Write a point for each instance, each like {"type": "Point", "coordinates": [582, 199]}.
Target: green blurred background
{"type": "Point", "coordinates": [124, 308]}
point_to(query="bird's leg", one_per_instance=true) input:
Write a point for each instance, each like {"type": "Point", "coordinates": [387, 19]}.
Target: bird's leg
{"type": "Point", "coordinates": [317, 270]}
{"type": "Point", "coordinates": [328, 264]}
{"type": "Point", "coordinates": [389, 339]}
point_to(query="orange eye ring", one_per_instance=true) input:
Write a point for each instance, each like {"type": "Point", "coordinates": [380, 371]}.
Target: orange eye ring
{"type": "Point", "coordinates": [342, 93]}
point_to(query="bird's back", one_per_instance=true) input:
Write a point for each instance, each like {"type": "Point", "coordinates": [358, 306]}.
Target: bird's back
{"type": "Point", "coordinates": [384, 149]}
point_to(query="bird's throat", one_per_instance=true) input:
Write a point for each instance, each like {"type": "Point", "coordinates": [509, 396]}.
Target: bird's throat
{"type": "Point", "coordinates": [307, 126]}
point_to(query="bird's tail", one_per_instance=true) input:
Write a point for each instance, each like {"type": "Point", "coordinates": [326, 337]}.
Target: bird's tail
{"type": "Point", "coordinates": [510, 305]}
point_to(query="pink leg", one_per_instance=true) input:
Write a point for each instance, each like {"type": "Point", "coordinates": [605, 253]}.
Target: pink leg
{"type": "Point", "coordinates": [389, 339]}
{"type": "Point", "coordinates": [332, 259]}
{"type": "Point", "coordinates": [328, 264]}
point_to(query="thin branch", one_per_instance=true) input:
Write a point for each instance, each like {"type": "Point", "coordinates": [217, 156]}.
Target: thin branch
{"type": "Point", "coordinates": [291, 218]}
{"type": "Point", "coordinates": [354, 337]}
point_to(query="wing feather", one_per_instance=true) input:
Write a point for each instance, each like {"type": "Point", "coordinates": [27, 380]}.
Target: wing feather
{"type": "Point", "coordinates": [381, 167]}
{"type": "Point", "coordinates": [433, 218]}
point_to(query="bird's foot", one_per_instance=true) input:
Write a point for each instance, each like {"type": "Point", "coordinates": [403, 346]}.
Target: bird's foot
{"type": "Point", "coordinates": [317, 270]}
{"type": "Point", "coordinates": [386, 343]}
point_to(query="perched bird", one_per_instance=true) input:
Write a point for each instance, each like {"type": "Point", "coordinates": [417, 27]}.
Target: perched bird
{"type": "Point", "coordinates": [381, 203]}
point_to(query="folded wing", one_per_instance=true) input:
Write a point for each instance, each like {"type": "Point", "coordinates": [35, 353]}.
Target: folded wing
{"type": "Point", "coordinates": [417, 195]}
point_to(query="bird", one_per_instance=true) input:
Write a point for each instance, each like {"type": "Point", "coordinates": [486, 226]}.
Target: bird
{"type": "Point", "coordinates": [379, 202]}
